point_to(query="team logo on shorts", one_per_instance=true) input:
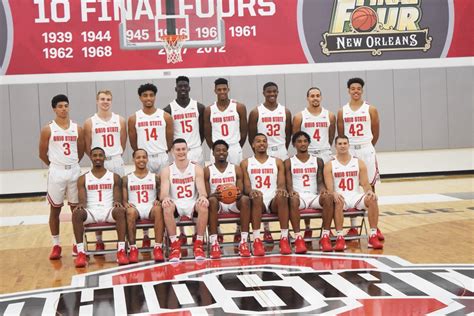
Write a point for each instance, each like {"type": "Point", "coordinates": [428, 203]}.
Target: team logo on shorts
{"type": "Point", "coordinates": [309, 284]}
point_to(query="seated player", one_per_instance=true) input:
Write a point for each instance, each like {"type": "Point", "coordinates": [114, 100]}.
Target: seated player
{"type": "Point", "coordinates": [140, 198]}
{"type": "Point", "coordinates": [179, 183]}
{"type": "Point", "coordinates": [264, 183]}
{"type": "Point", "coordinates": [343, 175]}
{"type": "Point", "coordinates": [305, 185]}
{"type": "Point", "coordinates": [220, 173]}
{"type": "Point", "coordinates": [99, 201]}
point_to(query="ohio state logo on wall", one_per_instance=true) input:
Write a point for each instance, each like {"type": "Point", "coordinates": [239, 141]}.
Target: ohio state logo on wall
{"type": "Point", "coordinates": [308, 284]}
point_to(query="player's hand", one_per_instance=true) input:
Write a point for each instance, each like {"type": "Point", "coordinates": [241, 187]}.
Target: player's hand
{"type": "Point", "coordinates": [167, 202]}
{"type": "Point", "coordinates": [255, 194]}
{"type": "Point", "coordinates": [202, 201]}
{"type": "Point", "coordinates": [323, 192]}
{"type": "Point", "coordinates": [156, 203]}
{"type": "Point", "coordinates": [78, 207]}
{"type": "Point", "coordinates": [239, 194]}
{"type": "Point", "coordinates": [338, 198]}
{"type": "Point", "coordinates": [371, 195]}
{"type": "Point", "coordinates": [294, 194]}
{"type": "Point", "coordinates": [281, 192]}
{"type": "Point", "coordinates": [118, 204]}
{"type": "Point", "coordinates": [218, 195]}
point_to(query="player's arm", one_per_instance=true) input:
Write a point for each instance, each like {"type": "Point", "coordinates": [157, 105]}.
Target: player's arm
{"type": "Point", "coordinates": [206, 181]}
{"type": "Point", "coordinates": [81, 192]}
{"type": "Point", "coordinates": [201, 187]}
{"type": "Point", "coordinates": [329, 181]}
{"type": "Point", "coordinates": [123, 133]}
{"type": "Point", "coordinates": [340, 123]}
{"type": "Point", "coordinates": [201, 108]}
{"type": "Point", "coordinates": [125, 192]}
{"type": "Point", "coordinates": [239, 181]}
{"type": "Point", "coordinates": [288, 128]}
{"type": "Point", "coordinates": [242, 110]}
{"type": "Point", "coordinates": [320, 177]}
{"type": "Point", "coordinates": [117, 191]}
{"type": "Point", "coordinates": [169, 130]}
{"type": "Point", "coordinates": [252, 124]}
{"type": "Point", "coordinates": [281, 183]}
{"type": "Point", "coordinates": [44, 144]}
{"type": "Point", "coordinates": [297, 119]}
{"type": "Point", "coordinates": [289, 178]}
{"type": "Point", "coordinates": [375, 124]}
{"type": "Point", "coordinates": [132, 131]}
{"type": "Point", "coordinates": [80, 143]}
{"type": "Point", "coordinates": [332, 127]}
{"type": "Point", "coordinates": [167, 109]}
{"type": "Point", "coordinates": [165, 184]}
{"type": "Point", "coordinates": [208, 126]}
{"type": "Point", "coordinates": [245, 177]}
{"type": "Point", "coordinates": [88, 136]}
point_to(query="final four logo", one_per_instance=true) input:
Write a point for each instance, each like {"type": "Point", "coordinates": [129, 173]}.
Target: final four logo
{"type": "Point", "coordinates": [375, 26]}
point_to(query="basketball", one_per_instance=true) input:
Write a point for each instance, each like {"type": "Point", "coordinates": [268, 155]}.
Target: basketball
{"type": "Point", "coordinates": [364, 19]}
{"type": "Point", "coordinates": [228, 192]}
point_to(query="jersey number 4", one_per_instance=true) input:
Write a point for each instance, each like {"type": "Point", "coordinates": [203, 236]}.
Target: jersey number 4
{"type": "Point", "coordinates": [356, 130]}
{"type": "Point", "coordinates": [151, 133]}
{"type": "Point", "coordinates": [260, 182]}
{"type": "Point", "coordinates": [346, 184]}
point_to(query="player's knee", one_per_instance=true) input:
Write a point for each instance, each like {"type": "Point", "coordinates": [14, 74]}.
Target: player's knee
{"type": "Point", "coordinates": [326, 199]}
{"type": "Point", "coordinates": [131, 213]}
{"type": "Point", "coordinates": [213, 201]}
{"type": "Point", "coordinates": [168, 211]}
{"type": "Point", "coordinates": [294, 202]}
{"type": "Point", "coordinates": [118, 212]}
{"type": "Point", "coordinates": [79, 215]}
{"type": "Point", "coordinates": [201, 210]}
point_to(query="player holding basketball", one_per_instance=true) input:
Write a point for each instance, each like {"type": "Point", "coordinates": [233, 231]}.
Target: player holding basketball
{"type": "Point", "coordinates": [273, 120]}
{"type": "Point", "coordinates": [264, 183]}
{"type": "Point", "coordinates": [188, 119]}
{"type": "Point", "coordinates": [61, 147]}
{"type": "Point", "coordinates": [320, 124]}
{"type": "Point", "coordinates": [183, 191]}
{"type": "Point", "coordinates": [100, 199]}
{"type": "Point", "coordinates": [220, 173]}
{"type": "Point", "coordinates": [343, 176]}
{"type": "Point", "coordinates": [140, 198]}
{"type": "Point", "coordinates": [360, 122]}
{"type": "Point", "coordinates": [306, 188]}
{"type": "Point", "coordinates": [226, 119]}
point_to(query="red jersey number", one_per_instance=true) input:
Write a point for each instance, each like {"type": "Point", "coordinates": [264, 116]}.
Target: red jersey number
{"type": "Point", "coordinates": [273, 129]}
{"type": "Point", "coordinates": [260, 182]}
{"type": "Point", "coordinates": [184, 191]}
{"type": "Point", "coordinates": [142, 196]}
{"type": "Point", "coordinates": [346, 184]}
{"type": "Point", "coordinates": [150, 133]}
{"type": "Point", "coordinates": [225, 130]}
{"type": "Point", "coordinates": [67, 149]}
{"type": "Point", "coordinates": [186, 126]}
{"type": "Point", "coordinates": [356, 129]}
{"type": "Point", "coordinates": [108, 140]}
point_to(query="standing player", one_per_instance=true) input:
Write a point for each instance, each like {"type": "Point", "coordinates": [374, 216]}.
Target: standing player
{"type": "Point", "coordinates": [179, 183]}
{"type": "Point", "coordinates": [100, 199]}
{"type": "Point", "coordinates": [360, 122]}
{"type": "Point", "coordinates": [61, 147]}
{"type": "Point", "coordinates": [320, 124]}
{"type": "Point", "coordinates": [219, 173]}
{"type": "Point", "coordinates": [140, 198]}
{"type": "Point", "coordinates": [188, 119]}
{"type": "Point", "coordinates": [264, 183]}
{"type": "Point", "coordinates": [306, 188]}
{"type": "Point", "coordinates": [226, 119]}
{"type": "Point", "coordinates": [343, 175]}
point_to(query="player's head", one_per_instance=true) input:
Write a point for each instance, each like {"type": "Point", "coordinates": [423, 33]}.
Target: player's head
{"type": "Point", "coordinates": [221, 88]}
{"type": "Point", "coordinates": [270, 92]}
{"type": "Point", "coordinates": [147, 93]}
{"type": "Point", "coordinates": [220, 150]}
{"type": "Point", "coordinates": [259, 144]}
{"type": "Point", "coordinates": [342, 144]}
{"type": "Point", "coordinates": [314, 97]}
{"type": "Point", "coordinates": [180, 149]}
{"type": "Point", "coordinates": [356, 88]}
{"type": "Point", "coordinates": [182, 87]}
{"type": "Point", "coordinates": [60, 105]}
{"type": "Point", "coordinates": [97, 157]}
{"type": "Point", "coordinates": [301, 141]}
{"type": "Point", "coordinates": [104, 100]}
{"type": "Point", "coordinates": [140, 158]}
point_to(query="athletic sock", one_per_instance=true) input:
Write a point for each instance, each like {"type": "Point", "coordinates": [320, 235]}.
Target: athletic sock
{"type": "Point", "coordinates": [256, 234]}
{"type": "Point", "coordinates": [244, 236]}
{"type": "Point", "coordinates": [200, 237]}
{"type": "Point", "coordinates": [133, 246]}
{"type": "Point", "coordinates": [173, 238]}
{"type": "Point", "coordinates": [298, 234]}
{"type": "Point", "coordinates": [80, 247]}
{"type": "Point", "coordinates": [213, 239]}
{"type": "Point", "coordinates": [339, 233]}
{"type": "Point", "coordinates": [158, 245]}
{"type": "Point", "coordinates": [284, 233]}
{"type": "Point", "coordinates": [373, 231]}
{"type": "Point", "coordinates": [121, 245]}
{"type": "Point", "coordinates": [325, 232]}
{"type": "Point", "coordinates": [56, 241]}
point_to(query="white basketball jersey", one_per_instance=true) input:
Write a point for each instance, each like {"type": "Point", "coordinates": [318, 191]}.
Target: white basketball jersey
{"type": "Point", "coordinates": [100, 191]}
{"type": "Point", "coordinates": [141, 191]}
{"type": "Point", "coordinates": [346, 177]}
{"type": "Point", "coordinates": [263, 176]}
{"type": "Point", "coordinates": [151, 131]}
{"type": "Point", "coordinates": [186, 123]}
{"type": "Point", "coordinates": [304, 175]}
{"type": "Point", "coordinates": [272, 124]}
{"type": "Point", "coordinates": [183, 185]}
{"type": "Point", "coordinates": [217, 178]}
{"type": "Point", "coordinates": [317, 127]}
{"type": "Point", "coordinates": [225, 124]}
{"type": "Point", "coordinates": [106, 135]}
{"type": "Point", "coordinates": [62, 147]}
{"type": "Point", "coordinates": [357, 124]}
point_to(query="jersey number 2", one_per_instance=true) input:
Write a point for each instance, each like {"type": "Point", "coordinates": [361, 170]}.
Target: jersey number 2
{"type": "Point", "coordinates": [356, 130]}
{"type": "Point", "coordinates": [184, 191]}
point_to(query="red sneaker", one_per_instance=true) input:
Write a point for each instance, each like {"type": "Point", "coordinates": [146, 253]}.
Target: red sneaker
{"type": "Point", "coordinates": [258, 249]}
{"type": "Point", "coordinates": [99, 246]}
{"type": "Point", "coordinates": [146, 242]}
{"type": "Point", "coordinates": [237, 237]}
{"type": "Point", "coordinates": [380, 236]}
{"type": "Point", "coordinates": [198, 250]}
{"type": "Point", "coordinates": [158, 254]}
{"type": "Point", "coordinates": [308, 234]}
{"type": "Point", "coordinates": [175, 253]}
{"type": "Point", "coordinates": [285, 248]}
{"type": "Point", "coordinates": [267, 237]}
{"type": "Point", "coordinates": [81, 260]}
{"type": "Point", "coordinates": [133, 255]}
{"type": "Point", "coordinates": [300, 246]}
{"type": "Point", "coordinates": [122, 257]}
{"type": "Point", "coordinates": [220, 238]}
{"type": "Point", "coordinates": [352, 232]}
{"type": "Point", "coordinates": [74, 250]}
{"type": "Point", "coordinates": [215, 251]}
{"type": "Point", "coordinates": [55, 253]}
{"type": "Point", "coordinates": [183, 240]}
{"type": "Point", "coordinates": [325, 244]}
{"type": "Point", "coordinates": [374, 242]}
{"type": "Point", "coordinates": [244, 250]}
{"type": "Point", "coordinates": [340, 244]}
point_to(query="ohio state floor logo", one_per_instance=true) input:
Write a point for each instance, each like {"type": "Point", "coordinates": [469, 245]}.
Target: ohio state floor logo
{"type": "Point", "coordinates": [298, 284]}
